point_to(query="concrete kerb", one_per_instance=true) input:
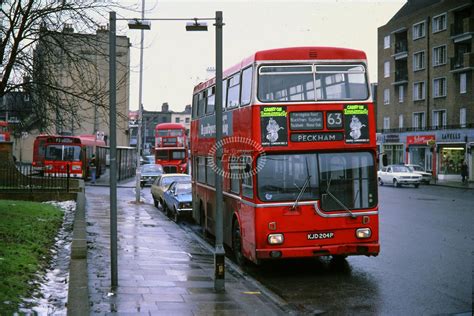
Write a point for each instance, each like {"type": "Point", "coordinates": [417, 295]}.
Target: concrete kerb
{"type": "Point", "coordinates": [274, 298]}
{"type": "Point", "coordinates": [78, 293]}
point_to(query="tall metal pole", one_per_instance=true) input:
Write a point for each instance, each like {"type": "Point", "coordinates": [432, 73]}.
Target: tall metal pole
{"type": "Point", "coordinates": [113, 147]}
{"type": "Point", "coordinates": [140, 112]}
{"type": "Point", "coordinates": [219, 255]}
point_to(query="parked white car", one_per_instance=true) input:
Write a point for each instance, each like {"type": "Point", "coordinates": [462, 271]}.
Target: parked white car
{"type": "Point", "coordinates": [425, 176]}
{"type": "Point", "coordinates": [398, 175]}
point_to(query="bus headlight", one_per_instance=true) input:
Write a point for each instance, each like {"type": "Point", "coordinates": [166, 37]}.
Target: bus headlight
{"type": "Point", "coordinates": [275, 239]}
{"type": "Point", "coordinates": [363, 233]}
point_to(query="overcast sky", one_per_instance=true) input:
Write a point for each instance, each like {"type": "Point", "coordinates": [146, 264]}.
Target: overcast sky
{"type": "Point", "coordinates": [176, 60]}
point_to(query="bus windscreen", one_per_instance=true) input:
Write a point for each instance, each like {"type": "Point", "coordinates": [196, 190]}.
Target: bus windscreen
{"type": "Point", "coordinates": [63, 153]}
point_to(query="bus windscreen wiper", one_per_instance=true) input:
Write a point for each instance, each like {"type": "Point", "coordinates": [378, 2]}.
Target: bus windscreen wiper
{"type": "Point", "coordinates": [303, 189]}
{"type": "Point", "coordinates": [337, 200]}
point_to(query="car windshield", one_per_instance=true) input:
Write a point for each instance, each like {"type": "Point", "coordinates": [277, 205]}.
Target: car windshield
{"type": "Point", "coordinates": [400, 169]}
{"type": "Point", "coordinates": [63, 153]}
{"type": "Point", "coordinates": [152, 169]}
{"type": "Point", "coordinates": [183, 188]}
{"type": "Point", "coordinates": [168, 180]}
{"type": "Point", "coordinates": [293, 83]}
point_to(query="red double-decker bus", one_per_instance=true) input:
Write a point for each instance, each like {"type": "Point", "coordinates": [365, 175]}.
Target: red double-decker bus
{"type": "Point", "coordinates": [57, 155]}
{"type": "Point", "coordinates": [299, 155]}
{"type": "Point", "coordinates": [4, 132]}
{"type": "Point", "coordinates": [171, 147]}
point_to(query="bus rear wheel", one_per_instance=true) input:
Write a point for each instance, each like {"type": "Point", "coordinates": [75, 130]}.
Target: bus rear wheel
{"type": "Point", "coordinates": [237, 244]}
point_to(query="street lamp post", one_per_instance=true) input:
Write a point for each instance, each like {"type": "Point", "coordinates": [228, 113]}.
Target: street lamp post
{"type": "Point", "coordinates": [140, 107]}
{"type": "Point", "coordinates": [219, 254]}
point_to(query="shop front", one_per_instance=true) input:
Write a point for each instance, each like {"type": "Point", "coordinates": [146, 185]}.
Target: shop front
{"type": "Point", "coordinates": [393, 149]}
{"type": "Point", "coordinates": [420, 150]}
{"type": "Point", "coordinates": [452, 151]}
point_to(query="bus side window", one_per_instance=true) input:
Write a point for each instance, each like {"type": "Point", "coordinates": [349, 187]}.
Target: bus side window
{"type": "Point", "coordinates": [246, 91]}
{"type": "Point", "coordinates": [234, 176]}
{"type": "Point", "coordinates": [202, 103]}
{"type": "Point", "coordinates": [210, 176]}
{"type": "Point", "coordinates": [233, 91]}
{"type": "Point", "coordinates": [201, 166]}
{"type": "Point", "coordinates": [247, 178]}
{"type": "Point", "coordinates": [210, 100]}
{"type": "Point", "coordinates": [195, 107]}
{"type": "Point", "coordinates": [224, 93]}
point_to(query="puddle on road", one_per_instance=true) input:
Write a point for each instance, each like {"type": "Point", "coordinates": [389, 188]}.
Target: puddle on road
{"type": "Point", "coordinates": [51, 295]}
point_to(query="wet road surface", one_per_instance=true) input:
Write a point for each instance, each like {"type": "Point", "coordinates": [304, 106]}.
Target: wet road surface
{"type": "Point", "coordinates": [425, 264]}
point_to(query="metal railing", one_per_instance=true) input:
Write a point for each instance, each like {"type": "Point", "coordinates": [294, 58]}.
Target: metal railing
{"type": "Point", "coordinates": [26, 178]}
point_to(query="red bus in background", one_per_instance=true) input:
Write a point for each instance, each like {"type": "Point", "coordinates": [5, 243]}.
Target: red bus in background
{"type": "Point", "coordinates": [299, 155]}
{"type": "Point", "coordinates": [4, 132]}
{"type": "Point", "coordinates": [56, 155]}
{"type": "Point", "coordinates": [171, 147]}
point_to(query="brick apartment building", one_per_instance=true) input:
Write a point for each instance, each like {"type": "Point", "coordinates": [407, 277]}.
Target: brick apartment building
{"type": "Point", "coordinates": [425, 98]}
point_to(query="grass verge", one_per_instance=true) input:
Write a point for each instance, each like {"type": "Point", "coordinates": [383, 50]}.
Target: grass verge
{"type": "Point", "coordinates": [27, 232]}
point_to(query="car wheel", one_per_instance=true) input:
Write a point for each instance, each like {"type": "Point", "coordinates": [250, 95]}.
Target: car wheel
{"type": "Point", "coordinates": [380, 181]}
{"type": "Point", "coordinates": [417, 185]}
{"type": "Point", "coordinates": [237, 244]}
{"type": "Point", "coordinates": [161, 205]}
{"type": "Point", "coordinates": [396, 184]}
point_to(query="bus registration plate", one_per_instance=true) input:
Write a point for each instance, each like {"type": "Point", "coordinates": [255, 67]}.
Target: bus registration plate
{"type": "Point", "coordinates": [313, 236]}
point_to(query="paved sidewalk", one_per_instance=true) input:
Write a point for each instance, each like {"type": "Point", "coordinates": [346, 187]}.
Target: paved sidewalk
{"type": "Point", "coordinates": [162, 269]}
{"type": "Point", "coordinates": [454, 184]}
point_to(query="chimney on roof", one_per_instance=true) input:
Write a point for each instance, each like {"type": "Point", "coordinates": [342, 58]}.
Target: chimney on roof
{"type": "Point", "coordinates": [187, 109]}
{"type": "Point", "coordinates": [165, 107]}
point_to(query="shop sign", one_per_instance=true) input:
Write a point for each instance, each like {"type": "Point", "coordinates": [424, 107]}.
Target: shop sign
{"type": "Point", "coordinates": [419, 139]}
{"type": "Point", "coordinates": [455, 137]}
{"type": "Point", "coordinates": [392, 138]}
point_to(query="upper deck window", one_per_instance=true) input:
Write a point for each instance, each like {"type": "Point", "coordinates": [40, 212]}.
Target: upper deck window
{"type": "Point", "coordinates": [312, 83]}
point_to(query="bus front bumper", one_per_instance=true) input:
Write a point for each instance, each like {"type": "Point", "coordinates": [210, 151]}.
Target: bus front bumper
{"type": "Point", "coordinates": [360, 249]}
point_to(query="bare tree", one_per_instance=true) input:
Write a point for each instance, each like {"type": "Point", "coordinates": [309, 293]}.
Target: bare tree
{"type": "Point", "coordinates": [49, 49]}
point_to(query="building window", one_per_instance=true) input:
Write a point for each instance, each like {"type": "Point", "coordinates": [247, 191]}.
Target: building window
{"type": "Point", "coordinates": [439, 23]}
{"type": "Point", "coordinates": [439, 87]}
{"type": "Point", "coordinates": [386, 123]}
{"type": "Point", "coordinates": [462, 83]}
{"type": "Point", "coordinates": [462, 117]}
{"type": "Point", "coordinates": [186, 120]}
{"type": "Point", "coordinates": [418, 30]}
{"type": "Point", "coordinates": [176, 120]}
{"type": "Point", "coordinates": [418, 61]}
{"type": "Point", "coordinates": [439, 55]}
{"type": "Point", "coordinates": [418, 91]}
{"type": "Point", "coordinates": [418, 120]}
{"type": "Point", "coordinates": [401, 93]}
{"type": "Point", "coordinates": [386, 96]}
{"type": "Point", "coordinates": [386, 69]}
{"type": "Point", "coordinates": [439, 118]}
{"type": "Point", "coordinates": [400, 121]}
{"type": "Point", "coordinates": [386, 42]}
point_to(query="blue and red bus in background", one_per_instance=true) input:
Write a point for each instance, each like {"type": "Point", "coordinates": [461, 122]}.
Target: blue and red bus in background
{"type": "Point", "coordinates": [171, 147]}
{"type": "Point", "coordinates": [299, 155]}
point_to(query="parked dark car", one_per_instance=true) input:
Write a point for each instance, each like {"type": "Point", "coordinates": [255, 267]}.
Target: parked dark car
{"type": "Point", "coordinates": [148, 174]}
{"type": "Point", "coordinates": [178, 200]}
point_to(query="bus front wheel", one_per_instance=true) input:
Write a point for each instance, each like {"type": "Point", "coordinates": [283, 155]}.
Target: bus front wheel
{"type": "Point", "coordinates": [237, 244]}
